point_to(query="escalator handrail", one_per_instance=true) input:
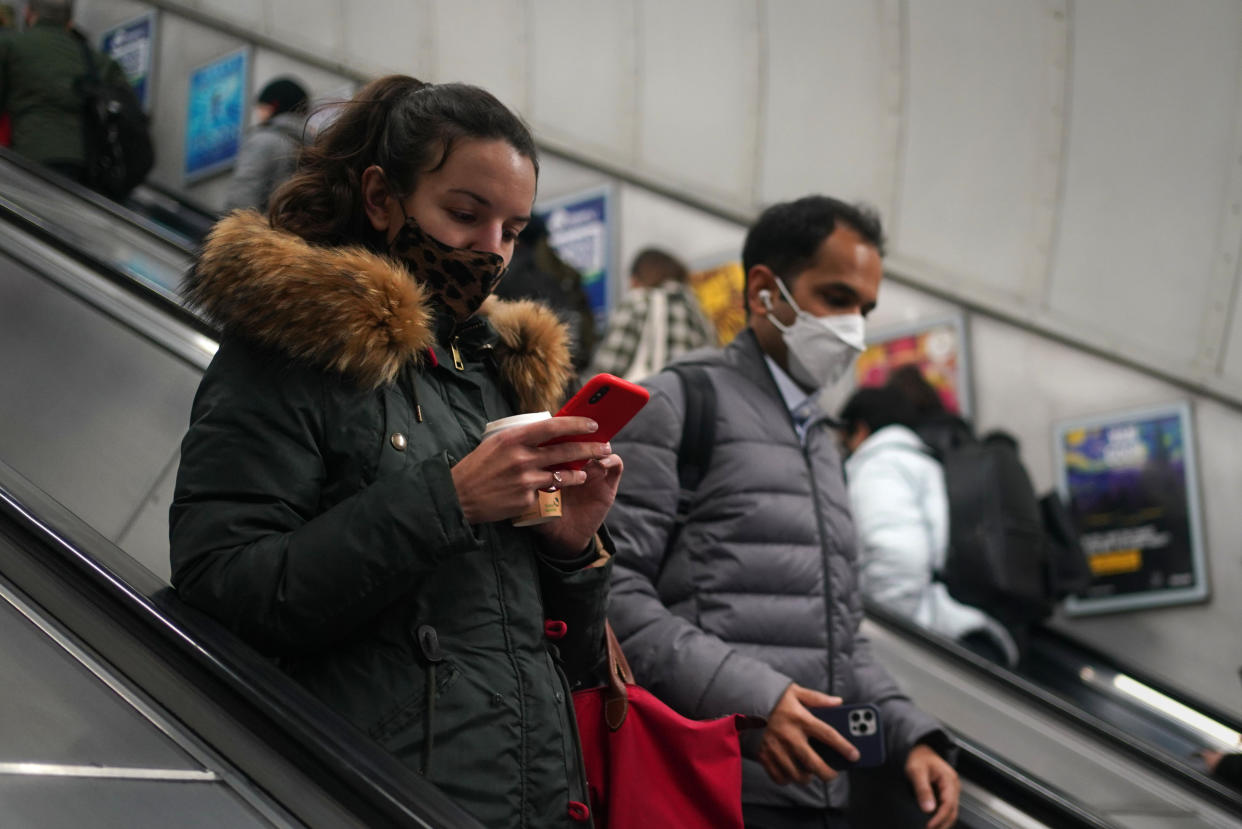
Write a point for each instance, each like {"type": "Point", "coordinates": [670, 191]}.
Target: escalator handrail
{"type": "Point", "coordinates": [1028, 794]}
{"type": "Point", "coordinates": [1120, 666]}
{"type": "Point", "coordinates": [312, 737]}
{"type": "Point", "coordinates": [187, 203]}
{"type": "Point", "coordinates": [1221, 795]}
{"type": "Point", "coordinates": [46, 233]}
{"type": "Point", "coordinates": [98, 201]}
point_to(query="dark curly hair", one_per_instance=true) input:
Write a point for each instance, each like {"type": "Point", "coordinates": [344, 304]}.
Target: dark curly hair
{"type": "Point", "coordinates": [403, 125]}
{"type": "Point", "coordinates": [786, 237]}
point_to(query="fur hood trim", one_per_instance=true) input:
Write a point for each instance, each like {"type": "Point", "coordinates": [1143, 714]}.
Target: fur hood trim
{"type": "Point", "coordinates": [350, 310]}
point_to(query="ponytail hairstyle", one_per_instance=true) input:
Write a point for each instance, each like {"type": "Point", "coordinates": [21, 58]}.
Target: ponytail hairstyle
{"type": "Point", "coordinates": [403, 125]}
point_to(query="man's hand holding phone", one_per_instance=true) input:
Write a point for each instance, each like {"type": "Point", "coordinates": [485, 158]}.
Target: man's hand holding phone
{"type": "Point", "coordinates": [785, 750]}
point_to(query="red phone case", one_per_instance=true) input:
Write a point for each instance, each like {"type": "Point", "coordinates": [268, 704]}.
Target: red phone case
{"type": "Point", "coordinates": [610, 402]}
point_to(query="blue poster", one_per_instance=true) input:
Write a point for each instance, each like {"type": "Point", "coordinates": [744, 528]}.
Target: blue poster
{"type": "Point", "coordinates": [215, 114]}
{"type": "Point", "coordinates": [579, 229]}
{"type": "Point", "coordinates": [1129, 481]}
{"type": "Point", "coordinates": [132, 46]}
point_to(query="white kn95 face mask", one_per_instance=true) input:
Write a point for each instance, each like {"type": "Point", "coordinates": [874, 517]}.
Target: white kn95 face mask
{"type": "Point", "coordinates": [821, 349]}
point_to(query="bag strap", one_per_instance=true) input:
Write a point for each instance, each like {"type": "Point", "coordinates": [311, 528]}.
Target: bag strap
{"type": "Point", "coordinates": [91, 71]}
{"type": "Point", "coordinates": [698, 437]}
{"type": "Point", "coordinates": [658, 333]}
{"type": "Point", "coordinates": [616, 701]}
{"type": "Point", "coordinates": [698, 433]}
{"type": "Point", "coordinates": [640, 361]}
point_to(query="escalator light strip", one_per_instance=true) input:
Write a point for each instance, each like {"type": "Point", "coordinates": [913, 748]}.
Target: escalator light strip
{"type": "Point", "coordinates": [206, 344]}
{"type": "Point", "coordinates": [108, 772]}
{"type": "Point", "coordinates": [1227, 737]}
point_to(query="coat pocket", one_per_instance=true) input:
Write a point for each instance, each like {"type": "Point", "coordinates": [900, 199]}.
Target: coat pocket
{"type": "Point", "coordinates": [408, 729]}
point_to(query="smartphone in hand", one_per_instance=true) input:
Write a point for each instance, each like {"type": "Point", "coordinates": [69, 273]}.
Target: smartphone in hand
{"type": "Point", "coordinates": [859, 724]}
{"type": "Point", "coordinates": [610, 402]}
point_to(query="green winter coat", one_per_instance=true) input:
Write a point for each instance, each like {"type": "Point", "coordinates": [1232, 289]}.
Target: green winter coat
{"type": "Point", "coordinates": [315, 515]}
{"type": "Point", "coordinates": [39, 72]}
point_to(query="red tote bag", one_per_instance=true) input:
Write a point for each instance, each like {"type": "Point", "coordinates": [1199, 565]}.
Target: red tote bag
{"type": "Point", "coordinates": [647, 766]}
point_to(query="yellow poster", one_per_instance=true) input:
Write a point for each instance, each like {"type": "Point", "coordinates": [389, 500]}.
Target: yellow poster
{"type": "Point", "coordinates": [720, 291]}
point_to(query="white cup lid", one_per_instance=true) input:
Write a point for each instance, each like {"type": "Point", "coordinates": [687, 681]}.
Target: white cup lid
{"type": "Point", "coordinates": [515, 420]}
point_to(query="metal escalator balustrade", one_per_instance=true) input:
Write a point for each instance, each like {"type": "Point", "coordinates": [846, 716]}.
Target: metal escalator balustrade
{"type": "Point", "coordinates": [1097, 680]}
{"type": "Point", "coordinates": [237, 733]}
{"type": "Point", "coordinates": [64, 212]}
{"type": "Point", "coordinates": [1048, 737]}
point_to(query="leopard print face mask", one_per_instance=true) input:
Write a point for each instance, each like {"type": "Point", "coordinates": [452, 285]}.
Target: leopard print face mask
{"type": "Point", "coordinates": [460, 279]}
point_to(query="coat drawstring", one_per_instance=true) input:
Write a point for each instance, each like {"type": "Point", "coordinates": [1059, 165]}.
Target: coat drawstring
{"type": "Point", "coordinates": [429, 730]}
{"type": "Point", "coordinates": [429, 641]}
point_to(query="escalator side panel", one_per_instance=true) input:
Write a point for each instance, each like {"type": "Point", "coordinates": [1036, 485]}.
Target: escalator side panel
{"type": "Point", "coordinates": [1105, 780]}
{"type": "Point", "coordinates": [89, 410]}
{"type": "Point", "coordinates": [33, 800]}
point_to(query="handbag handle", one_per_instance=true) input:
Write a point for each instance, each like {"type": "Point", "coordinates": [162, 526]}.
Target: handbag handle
{"type": "Point", "coordinates": [616, 702]}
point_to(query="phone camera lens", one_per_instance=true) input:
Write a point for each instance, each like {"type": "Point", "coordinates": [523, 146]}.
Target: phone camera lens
{"type": "Point", "coordinates": [599, 395]}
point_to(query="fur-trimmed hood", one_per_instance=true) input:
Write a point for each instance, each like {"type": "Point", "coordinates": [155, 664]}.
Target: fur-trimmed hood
{"type": "Point", "coordinates": [350, 310]}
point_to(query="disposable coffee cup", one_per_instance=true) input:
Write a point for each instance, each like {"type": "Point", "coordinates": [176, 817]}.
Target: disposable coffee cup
{"type": "Point", "coordinates": [497, 426]}
{"type": "Point", "coordinates": [547, 506]}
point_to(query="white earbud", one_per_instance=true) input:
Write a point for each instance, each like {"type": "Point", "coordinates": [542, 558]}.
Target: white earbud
{"type": "Point", "coordinates": [765, 296]}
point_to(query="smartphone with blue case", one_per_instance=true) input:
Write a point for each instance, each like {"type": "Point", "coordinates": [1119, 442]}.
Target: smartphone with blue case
{"type": "Point", "coordinates": [859, 724]}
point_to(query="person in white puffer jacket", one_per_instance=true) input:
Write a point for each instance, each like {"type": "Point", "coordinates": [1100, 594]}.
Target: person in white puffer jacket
{"type": "Point", "coordinates": [901, 510]}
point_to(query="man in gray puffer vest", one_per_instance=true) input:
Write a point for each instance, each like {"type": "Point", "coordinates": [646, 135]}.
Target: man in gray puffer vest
{"type": "Point", "coordinates": [752, 605]}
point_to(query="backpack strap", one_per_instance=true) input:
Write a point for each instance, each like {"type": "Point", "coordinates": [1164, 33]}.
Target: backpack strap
{"type": "Point", "coordinates": [92, 73]}
{"type": "Point", "coordinates": [694, 453]}
{"type": "Point", "coordinates": [698, 436]}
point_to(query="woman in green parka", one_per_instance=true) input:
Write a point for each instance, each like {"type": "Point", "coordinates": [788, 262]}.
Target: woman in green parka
{"type": "Point", "coordinates": [335, 506]}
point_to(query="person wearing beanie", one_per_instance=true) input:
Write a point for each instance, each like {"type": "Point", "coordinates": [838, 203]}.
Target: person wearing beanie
{"type": "Point", "coordinates": [269, 154]}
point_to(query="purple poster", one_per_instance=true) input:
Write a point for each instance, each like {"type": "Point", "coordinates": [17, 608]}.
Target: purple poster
{"type": "Point", "coordinates": [1130, 484]}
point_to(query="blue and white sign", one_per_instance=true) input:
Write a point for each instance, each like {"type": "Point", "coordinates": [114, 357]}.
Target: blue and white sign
{"type": "Point", "coordinates": [132, 45]}
{"type": "Point", "coordinates": [580, 229]}
{"type": "Point", "coordinates": [215, 114]}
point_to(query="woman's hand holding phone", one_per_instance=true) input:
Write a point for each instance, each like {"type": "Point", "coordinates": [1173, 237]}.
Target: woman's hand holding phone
{"type": "Point", "coordinates": [584, 507]}
{"type": "Point", "coordinates": [500, 478]}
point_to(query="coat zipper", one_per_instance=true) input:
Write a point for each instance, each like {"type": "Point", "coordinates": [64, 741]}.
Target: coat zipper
{"type": "Point", "coordinates": [458, 362]}
{"type": "Point", "coordinates": [823, 551]}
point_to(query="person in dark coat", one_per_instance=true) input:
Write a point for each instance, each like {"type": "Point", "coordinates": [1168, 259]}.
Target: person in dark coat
{"type": "Point", "coordinates": [40, 74]}
{"type": "Point", "coordinates": [335, 506]}
{"type": "Point", "coordinates": [1224, 767]}
{"type": "Point", "coordinates": [939, 428]}
{"type": "Point", "coordinates": [538, 272]}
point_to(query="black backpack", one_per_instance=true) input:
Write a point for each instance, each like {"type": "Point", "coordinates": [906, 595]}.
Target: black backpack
{"type": "Point", "coordinates": [119, 153]}
{"type": "Point", "coordinates": [1071, 572]}
{"type": "Point", "coordinates": [999, 558]}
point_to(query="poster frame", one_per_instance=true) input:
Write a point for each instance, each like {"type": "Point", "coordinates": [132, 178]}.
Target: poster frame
{"type": "Point", "coordinates": [199, 175]}
{"type": "Point", "coordinates": [612, 221]}
{"type": "Point", "coordinates": [1200, 591]}
{"type": "Point", "coordinates": [152, 19]}
{"type": "Point", "coordinates": [959, 322]}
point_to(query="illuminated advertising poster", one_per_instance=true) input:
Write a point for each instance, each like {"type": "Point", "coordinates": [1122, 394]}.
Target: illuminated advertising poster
{"type": "Point", "coordinates": [1130, 482]}
{"type": "Point", "coordinates": [720, 290]}
{"type": "Point", "coordinates": [937, 347]}
{"type": "Point", "coordinates": [215, 115]}
{"type": "Point", "coordinates": [579, 228]}
{"type": "Point", "coordinates": [132, 45]}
